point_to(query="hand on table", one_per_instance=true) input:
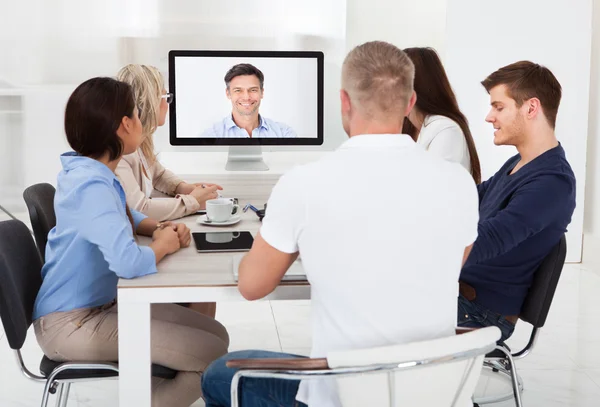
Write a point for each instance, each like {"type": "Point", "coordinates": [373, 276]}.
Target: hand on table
{"type": "Point", "coordinates": [183, 232]}
{"type": "Point", "coordinates": [186, 189]}
{"type": "Point", "coordinates": [167, 239]}
{"type": "Point", "coordinates": [204, 194]}
{"type": "Point", "coordinates": [206, 184]}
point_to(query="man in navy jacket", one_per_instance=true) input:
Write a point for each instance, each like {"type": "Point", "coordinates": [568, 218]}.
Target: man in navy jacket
{"type": "Point", "coordinates": [525, 207]}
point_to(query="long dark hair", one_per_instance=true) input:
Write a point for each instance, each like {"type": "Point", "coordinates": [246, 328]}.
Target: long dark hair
{"type": "Point", "coordinates": [435, 97]}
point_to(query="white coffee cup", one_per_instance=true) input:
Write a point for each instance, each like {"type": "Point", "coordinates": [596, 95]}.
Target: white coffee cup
{"type": "Point", "coordinates": [222, 237]}
{"type": "Point", "coordinates": [220, 209]}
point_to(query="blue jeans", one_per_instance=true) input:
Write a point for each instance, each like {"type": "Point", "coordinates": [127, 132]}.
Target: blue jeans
{"type": "Point", "coordinates": [472, 315]}
{"type": "Point", "coordinates": [253, 392]}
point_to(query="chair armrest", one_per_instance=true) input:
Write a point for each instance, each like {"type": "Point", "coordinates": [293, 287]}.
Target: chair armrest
{"type": "Point", "coordinates": [279, 364]}
{"type": "Point", "coordinates": [461, 330]}
{"type": "Point", "coordinates": [295, 363]}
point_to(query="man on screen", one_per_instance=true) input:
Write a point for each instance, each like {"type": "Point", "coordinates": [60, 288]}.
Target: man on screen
{"type": "Point", "coordinates": [244, 87]}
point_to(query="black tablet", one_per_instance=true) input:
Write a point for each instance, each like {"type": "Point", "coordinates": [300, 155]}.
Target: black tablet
{"type": "Point", "coordinates": [207, 242]}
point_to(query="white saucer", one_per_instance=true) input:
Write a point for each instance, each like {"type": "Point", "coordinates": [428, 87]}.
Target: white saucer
{"type": "Point", "coordinates": [232, 221]}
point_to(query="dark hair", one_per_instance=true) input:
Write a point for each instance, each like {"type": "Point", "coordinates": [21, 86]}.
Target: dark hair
{"type": "Point", "coordinates": [244, 69]}
{"type": "Point", "coordinates": [436, 97]}
{"type": "Point", "coordinates": [94, 113]}
{"type": "Point", "coordinates": [525, 80]}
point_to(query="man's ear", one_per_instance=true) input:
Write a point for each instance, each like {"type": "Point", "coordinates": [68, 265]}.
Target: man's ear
{"type": "Point", "coordinates": [533, 108]}
{"type": "Point", "coordinates": [345, 101]}
{"type": "Point", "coordinates": [227, 93]}
{"type": "Point", "coordinates": [411, 103]}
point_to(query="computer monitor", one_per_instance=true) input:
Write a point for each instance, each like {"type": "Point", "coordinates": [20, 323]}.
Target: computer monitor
{"type": "Point", "coordinates": [245, 100]}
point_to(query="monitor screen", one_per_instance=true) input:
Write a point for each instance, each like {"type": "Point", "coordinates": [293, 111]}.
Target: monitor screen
{"type": "Point", "coordinates": [246, 98]}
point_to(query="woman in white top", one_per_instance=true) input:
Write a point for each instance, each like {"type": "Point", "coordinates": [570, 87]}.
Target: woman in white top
{"type": "Point", "coordinates": [141, 173]}
{"type": "Point", "coordinates": [436, 122]}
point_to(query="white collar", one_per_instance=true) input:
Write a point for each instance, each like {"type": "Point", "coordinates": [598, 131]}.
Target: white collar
{"type": "Point", "coordinates": [379, 140]}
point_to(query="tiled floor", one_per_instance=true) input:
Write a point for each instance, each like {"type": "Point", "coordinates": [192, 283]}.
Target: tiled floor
{"type": "Point", "coordinates": [564, 369]}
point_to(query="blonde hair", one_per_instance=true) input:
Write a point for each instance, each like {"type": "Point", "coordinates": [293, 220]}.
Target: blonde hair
{"type": "Point", "coordinates": [378, 77]}
{"type": "Point", "coordinates": [148, 84]}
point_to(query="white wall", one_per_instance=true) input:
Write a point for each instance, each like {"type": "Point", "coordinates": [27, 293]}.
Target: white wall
{"type": "Point", "coordinates": [21, 40]}
{"type": "Point", "coordinates": [592, 196]}
{"type": "Point", "coordinates": [534, 36]}
{"type": "Point", "coordinates": [43, 138]}
{"type": "Point", "coordinates": [403, 23]}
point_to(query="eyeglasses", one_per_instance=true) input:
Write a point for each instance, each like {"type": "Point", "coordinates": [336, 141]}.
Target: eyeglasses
{"type": "Point", "coordinates": [168, 96]}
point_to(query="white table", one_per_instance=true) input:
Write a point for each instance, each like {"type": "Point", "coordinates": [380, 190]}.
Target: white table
{"type": "Point", "coordinates": [185, 276]}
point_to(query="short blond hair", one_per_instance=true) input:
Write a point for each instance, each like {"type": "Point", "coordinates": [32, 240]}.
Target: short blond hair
{"type": "Point", "coordinates": [378, 77]}
{"type": "Point", "coordinates": [147, 83]}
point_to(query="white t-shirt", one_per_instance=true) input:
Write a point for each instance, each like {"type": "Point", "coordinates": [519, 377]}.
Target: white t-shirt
{"type": "Point", "coordinates": [381, 226]}
{"type": "Point", "coordinates": [444, 137]}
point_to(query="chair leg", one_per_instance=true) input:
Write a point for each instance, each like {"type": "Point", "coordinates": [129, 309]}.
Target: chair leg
{"type": "Point", "coordinates": [514, 379]}
{"type": "Point", "coordinates": [59, 394]}
{"type": "Point", "coordinates": [64, 397]}
{"type": "Point", "coordinates": [46, 394]}
{"type": "Point", "coordinates": [506, 367]}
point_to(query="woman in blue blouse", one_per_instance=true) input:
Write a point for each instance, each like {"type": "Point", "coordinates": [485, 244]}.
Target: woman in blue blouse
{"type": "Point", "coordinates": [93, 245]}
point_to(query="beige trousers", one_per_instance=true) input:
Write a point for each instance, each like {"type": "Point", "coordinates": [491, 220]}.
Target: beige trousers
{"type": "Point", "coordinates": [181, 339]}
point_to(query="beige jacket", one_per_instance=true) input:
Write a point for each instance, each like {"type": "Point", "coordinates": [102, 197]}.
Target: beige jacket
{"type": "Point", "coordinates": [131, 174]}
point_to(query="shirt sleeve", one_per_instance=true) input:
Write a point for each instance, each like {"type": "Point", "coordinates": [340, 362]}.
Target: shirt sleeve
{"type": "Point", "coordinates": [483, 187]}
{"type": "Point", "coordinates": [159, 209]}
{"type": "Point", "coordinates": [137, 218]}
{"type": "Point", "coordinates": [469, 211]}
{"type": "Point", "coordinates": [164, 180]}
{"type": "Point", "coordinates": [217, 130]}
{"type": "Point", "coordinates": [531, 209]}
{"type": "Point", "coordinates": [449, 144]}
{"type": "Point", "coordinates": [285, 216]}
{"type": "Point", "coordinates": [287, 131]}
{"type": "Point", "coordinates": [208, 133]}
{"type": "Point", "coordinates": [102, 222]}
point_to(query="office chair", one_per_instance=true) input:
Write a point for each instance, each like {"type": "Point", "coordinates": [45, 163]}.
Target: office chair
{"type": "Point", "coordinates": [20, 281]}
{"type": "Point", "coordinates": [39, 199]}
{"type": "Point", "coordinates": [397, 375]}
{"type": "Point", "coordinates": [534, 311]}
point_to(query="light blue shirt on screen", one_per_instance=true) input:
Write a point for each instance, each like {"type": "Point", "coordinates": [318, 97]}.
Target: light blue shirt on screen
{"type": "Point", "coordinates": [267, 128]}
{"type": "Point", "coordinates": [92, 244]}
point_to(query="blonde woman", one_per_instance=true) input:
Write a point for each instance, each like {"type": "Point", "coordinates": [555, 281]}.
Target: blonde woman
{"type": "Point", "coordinates": [141, 173]}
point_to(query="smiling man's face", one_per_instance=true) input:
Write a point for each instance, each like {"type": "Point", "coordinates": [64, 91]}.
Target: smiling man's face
{"type": "Point", "coordinates": [506, 117]}
{"type": "Point", "coordinates": [245, 94]}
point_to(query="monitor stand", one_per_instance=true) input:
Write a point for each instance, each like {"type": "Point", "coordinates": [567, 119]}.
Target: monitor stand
{"type": "Point", "coordinates": [245, 158]}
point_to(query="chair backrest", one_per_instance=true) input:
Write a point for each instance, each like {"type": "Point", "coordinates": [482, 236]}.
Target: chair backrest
{"type": "Point", "coordinates": [545, 280]}
{"type": "Point", "coordinates": [39, 199]}
{"type": "Point", "coordinates": [20, 280]}
{"type": "Point", "coordinates": [447, 377]}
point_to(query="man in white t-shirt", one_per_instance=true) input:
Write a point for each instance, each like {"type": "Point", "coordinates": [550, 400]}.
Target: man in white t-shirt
{"type": "Point", "coordinates": [381, 226]}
